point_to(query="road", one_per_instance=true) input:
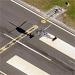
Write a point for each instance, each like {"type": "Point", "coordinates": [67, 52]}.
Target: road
{"type": "Point", "coordinates": [17, 15]}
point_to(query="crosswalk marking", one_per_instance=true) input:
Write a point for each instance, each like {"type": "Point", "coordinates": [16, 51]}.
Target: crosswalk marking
{"type": "Point", "coordinates": [21, 36]}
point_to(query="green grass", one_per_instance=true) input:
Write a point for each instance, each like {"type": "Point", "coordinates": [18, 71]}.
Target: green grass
{"type": "Point", "coordinates": [71, 9]}
{"type": "Point", "coordinates": [47, 4]}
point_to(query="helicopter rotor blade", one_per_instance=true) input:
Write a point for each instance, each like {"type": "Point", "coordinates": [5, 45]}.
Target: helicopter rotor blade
{"type": "Point", "coordinates": [23, 23]}
{"type": "Point", "coordinates": [12, 23]}
{"type": "Point", "coordinates": [18, 27]}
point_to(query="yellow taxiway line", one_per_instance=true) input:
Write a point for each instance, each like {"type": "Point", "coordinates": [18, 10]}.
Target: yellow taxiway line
{"type": "Point", "coordinates": [21, 36]}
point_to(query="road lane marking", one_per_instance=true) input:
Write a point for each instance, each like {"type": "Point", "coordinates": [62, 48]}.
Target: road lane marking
{"type": "Point", "coordinates": [42, 17]}
{"type": "Point", "coordinates": [25, 66]}
{"type": "Point", "coordinates": [59, 45]}
{"type": "Point", "coordinates": [21, 36]}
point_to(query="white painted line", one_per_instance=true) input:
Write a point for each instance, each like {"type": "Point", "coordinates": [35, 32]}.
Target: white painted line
{"type": "Point", "coordinates": [25, 66]}
{"type": "Point", "coordinates": [2, 73]}
{"type": "Point", "coordinates": [42, 17]}
{"type": "Point", "coordinates": [29, 48]}
{"type": "Point", "coordinates": [21, 36]}
{"type": "Point", "coordinates": [60, 45]}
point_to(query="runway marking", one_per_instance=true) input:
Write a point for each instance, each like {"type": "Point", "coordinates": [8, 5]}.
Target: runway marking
{"type": "Point", "coordinates": [42, 17]}
{"type": "Point", "coordinates": [2, 73]}
{"type": "Point", "coordinates": [21, 36]}
{"type": "Point", "coordinates": [29, 48]}
{"type": "Point", "coordinates": [25, 66]}
{"type": "Point", "coordinates": [43, 21]}
{"type": "Point", "coordinates": [59, 45]}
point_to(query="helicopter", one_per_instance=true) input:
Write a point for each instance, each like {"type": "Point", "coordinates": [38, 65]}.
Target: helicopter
{"type": "Point", "coordinates": [22, 31]}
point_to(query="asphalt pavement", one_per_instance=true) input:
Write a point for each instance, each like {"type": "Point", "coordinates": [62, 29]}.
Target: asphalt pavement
{"type": "Point", "coordinates": [10, 12]}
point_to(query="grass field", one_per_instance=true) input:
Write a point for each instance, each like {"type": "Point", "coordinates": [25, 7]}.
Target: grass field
{"type": "Point", "coordinates": [45, 5]}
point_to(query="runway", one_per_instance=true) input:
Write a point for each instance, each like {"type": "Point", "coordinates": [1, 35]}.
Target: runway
{"type": "Point", "coordinates": [10, 12]}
